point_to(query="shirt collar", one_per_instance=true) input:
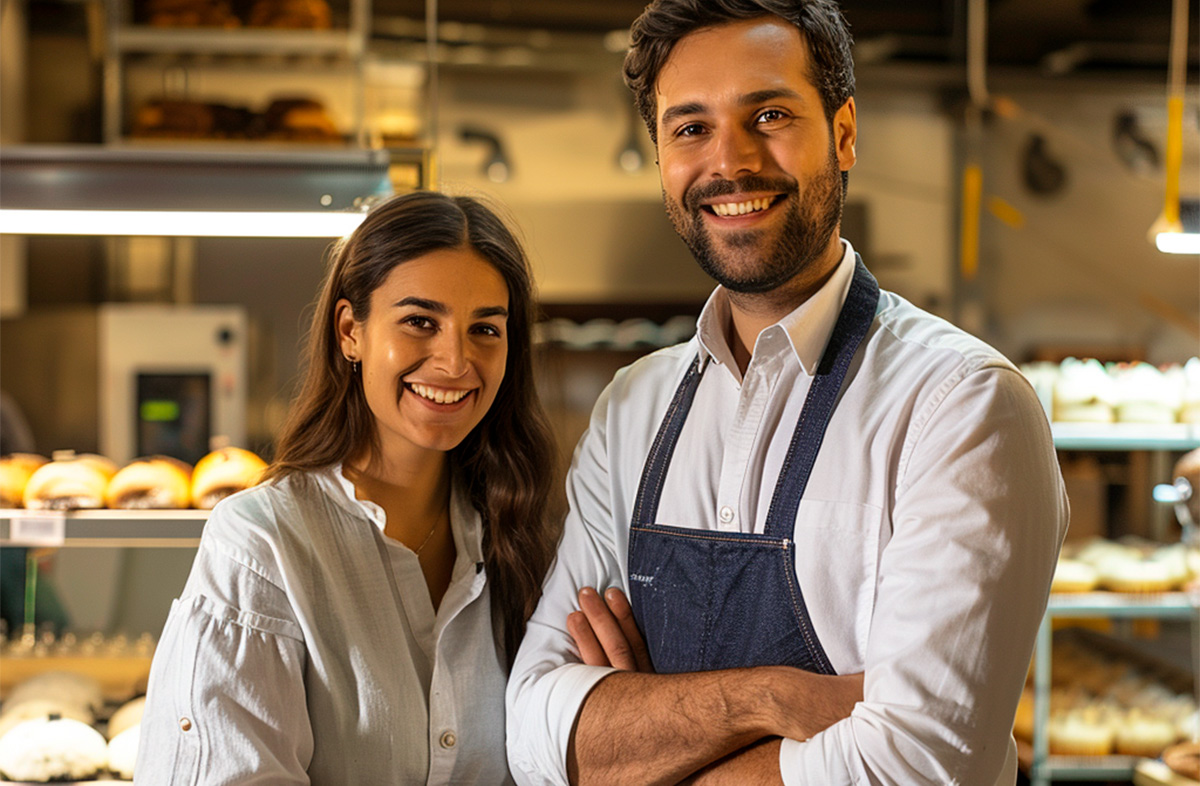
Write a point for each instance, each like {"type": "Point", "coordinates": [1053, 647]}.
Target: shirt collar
{"type": "Point", "coordinates": [465, 521]}
{"type": "Point", "coordinates": [808, 327]}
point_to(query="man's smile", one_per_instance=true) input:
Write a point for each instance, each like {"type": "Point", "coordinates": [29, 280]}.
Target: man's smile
{"type": "Point", "coordinates": [745, 207]}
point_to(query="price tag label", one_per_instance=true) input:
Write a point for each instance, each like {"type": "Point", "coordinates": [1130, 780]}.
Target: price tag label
{"type": "Point", "coordinates": [38, 528]}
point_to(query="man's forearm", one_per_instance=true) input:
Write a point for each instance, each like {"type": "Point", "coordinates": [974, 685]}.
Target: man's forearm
{"type": "Point", "coordinates": [757, 764]}
{"type": "Point", "coordinates": [652, 728]}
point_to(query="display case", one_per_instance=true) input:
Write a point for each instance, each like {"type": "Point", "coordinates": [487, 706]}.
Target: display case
{"type": "Point", "coordinates": [1161, 440]}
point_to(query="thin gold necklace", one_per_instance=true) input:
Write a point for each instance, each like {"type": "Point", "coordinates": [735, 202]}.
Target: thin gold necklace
{"type": "Point", "coordinates": [434, 529]}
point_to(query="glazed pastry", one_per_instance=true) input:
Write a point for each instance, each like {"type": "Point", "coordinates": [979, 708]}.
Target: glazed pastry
{"type": "Point", "coordinates": [122, 751]}
{"type": "Point", "coordinates": [1080, 733]}
{"type": "Point", "coordinates": [69, 482]}
{"type": "Point", "coordinates": [52, 748]}
{"type": "Point", "coordinates": [15, 471]}
{"type": "Point", "coordinates": [224, 472]}
{"type": "Point", "coordinates": [152, 483]}
{"type": "Point", "coordinates": [1074, 576]}
{"type": "Point", "coordinates": [32, 708]}
{"type": "Point", "coordinates": [128, 716]}
{"type": "Point", "coordinates": [1184, 759]}
{"type": "Point", "coordinates": [64, 687]}
{"type": "Point", "coordinates": [1146, 395]}
{"type": "Point", "coordinates": [1142, 735]}
{"type": "Point", "coordinates": [1084, 392]}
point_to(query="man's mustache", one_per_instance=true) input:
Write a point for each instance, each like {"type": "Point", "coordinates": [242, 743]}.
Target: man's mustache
{"type": "Point", "coordinates": [743, 185]}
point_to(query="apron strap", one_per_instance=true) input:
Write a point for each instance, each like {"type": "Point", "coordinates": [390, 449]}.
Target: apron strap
{"type": "Point", "coordinates": [854, 321]}
{"type": "Point", "coordinates": [645, 509]}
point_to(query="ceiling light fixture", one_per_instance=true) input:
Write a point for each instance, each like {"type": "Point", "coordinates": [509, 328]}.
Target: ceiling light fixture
{"type": "Point", "coordinates": [88, 190]}
{"type": "Point", "coordinates": [1168, 232]}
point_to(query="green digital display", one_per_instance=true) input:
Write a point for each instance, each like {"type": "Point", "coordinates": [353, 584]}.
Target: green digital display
{"type": "Point", "coordinates": [159, 411]}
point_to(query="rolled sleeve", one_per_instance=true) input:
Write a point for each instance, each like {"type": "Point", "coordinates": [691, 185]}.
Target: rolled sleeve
{"type": "Point", "coordinates": [979, 517]}
{"type": "Point", "coordinates": [226, 699]}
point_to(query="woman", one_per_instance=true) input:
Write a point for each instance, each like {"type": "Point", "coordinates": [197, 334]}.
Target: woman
{"type": "Point", "coordinates": [352, 619]}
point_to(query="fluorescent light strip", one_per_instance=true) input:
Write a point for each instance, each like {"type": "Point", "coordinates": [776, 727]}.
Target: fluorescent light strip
{"type": "Point", "coordinates": [178, 223]}
{"type": "Point", "coordinates": [1178, 242]}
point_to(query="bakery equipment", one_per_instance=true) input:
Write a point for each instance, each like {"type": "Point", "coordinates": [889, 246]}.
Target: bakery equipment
{"type": "Point", "coordinates": [171, 379]}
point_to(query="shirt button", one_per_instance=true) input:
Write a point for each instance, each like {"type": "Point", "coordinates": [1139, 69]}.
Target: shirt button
{"type": "Point", "coordinates": [448, 739]}
{"type": "Point", "coordinates": [726, 514]}
{"type": "Point", "coordinates": [185, 724]}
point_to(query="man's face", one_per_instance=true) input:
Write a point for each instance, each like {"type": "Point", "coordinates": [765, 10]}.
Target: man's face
{"type": "Point", "coordinates": [750, 165]}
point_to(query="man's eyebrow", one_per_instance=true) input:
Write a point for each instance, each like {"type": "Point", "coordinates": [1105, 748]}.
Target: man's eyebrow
{"type": "Point", "coordinates": [759, 96]}
{"type": "Point", "coordinates": [682, 110]}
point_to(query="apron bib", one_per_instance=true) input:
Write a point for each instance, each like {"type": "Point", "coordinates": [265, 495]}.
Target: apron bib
{"type": "Point", "coordinates": [708, 600]}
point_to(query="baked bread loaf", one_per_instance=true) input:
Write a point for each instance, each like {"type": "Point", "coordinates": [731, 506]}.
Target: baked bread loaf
{"type": "Point", "coordinates": [69, 482]}
{"type": "Point", "coordinates": [224, 472]}
{"type": "Point", "coordinates": [1184, 759]}
{"type": "Point", "coordinates": [15, 471]}
{"type": "Point", "coordinates": [151, 483]}
{"type": "Point", "coordinates": [291, 14]}
{"type": "Point", "coordinates": [1074, 576]}
{"type": "Point", "coordinates": [1084, 392]}
{"type": "Point", "coordinates": [190, 13]}
{"type": "Point", "coordinates": [31, 708]}
{"type": "Point", "coordinates": [299, 120]}
{"type": "Point", "coordinates": [127, 716]}
{"type": "Point", "coordinates": [66, 688]}
{"type": "Point", "coordinates": [52, 748]}
{"type": "Point", "coordinates": [122, 751]}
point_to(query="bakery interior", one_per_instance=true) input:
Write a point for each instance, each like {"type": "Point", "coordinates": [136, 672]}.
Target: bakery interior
{"type": "Point", "coordinates": [1017, 159]}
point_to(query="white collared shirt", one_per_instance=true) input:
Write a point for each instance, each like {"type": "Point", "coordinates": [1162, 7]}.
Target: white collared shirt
{"type": "Point", "coordinates": [305, 647]}
{"type": "Point", "coordinates": [925, 541]}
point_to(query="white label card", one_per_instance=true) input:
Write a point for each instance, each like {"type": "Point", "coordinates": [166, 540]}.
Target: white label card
{"type": "Point", "coordinates": [41, 528]}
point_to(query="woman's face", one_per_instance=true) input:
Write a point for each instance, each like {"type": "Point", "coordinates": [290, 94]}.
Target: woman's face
{"type": "Point", "coordinates": [433, 350]}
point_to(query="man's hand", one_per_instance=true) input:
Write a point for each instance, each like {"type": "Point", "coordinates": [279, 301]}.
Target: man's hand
{"type": "Point", "coordinates": [605, 632]}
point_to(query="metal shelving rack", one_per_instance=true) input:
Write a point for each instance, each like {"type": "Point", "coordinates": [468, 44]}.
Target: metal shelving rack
{"type": "Point", "coordinates": [1110, 605]}
{"type": "Point", "coordinates": [124, 38]}
{"type": "Point", "coordinates": [102, 528]}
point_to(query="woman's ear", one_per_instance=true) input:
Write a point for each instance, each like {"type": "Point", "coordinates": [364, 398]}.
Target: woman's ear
{"type": "Point", "coordinates": [348, 330]}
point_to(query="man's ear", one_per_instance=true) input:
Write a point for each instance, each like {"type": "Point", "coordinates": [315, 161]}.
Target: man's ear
{"type": "Point", "coordinates": [348, 330]}
{"type": "Point", "coordinates": [845, 135]}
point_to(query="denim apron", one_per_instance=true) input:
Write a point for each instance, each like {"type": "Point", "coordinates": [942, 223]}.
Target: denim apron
{"type": "Point", "coordinates": [709, 600]}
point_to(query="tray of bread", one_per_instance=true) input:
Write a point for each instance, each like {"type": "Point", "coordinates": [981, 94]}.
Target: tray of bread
{"type": "Point", "coordinates": [1111, 697]}
{"type": "Point", "coordinates": [70, 708]}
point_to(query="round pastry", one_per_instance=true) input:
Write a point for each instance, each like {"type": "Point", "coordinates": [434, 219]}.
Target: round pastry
{"type": "Point", "coordinates": [151, 483]}
{"type": "Point", "coordinates": [122, 751]}
{"type": "Point", "coordinates": [1148, 575]}
{"type": "Point", "coordinates": [1146, 395]}
{"type": "Point", "coordinates": [1084, 393]}
{"type": "Point", "coordinates": [52, 748]}
{"type": "Point", "coordinates": [1190, 412]}
{"type": "Point", "coordinates": [1184, 759]}
{"type": "Point", "coordinates": [129, 715]}
{"type": "Point", "coordinates": [224, 472]}
{"type": "Point", "coordinates": [29, 709]}
{"type": "Point", "coordinates": [1140, 734]}
{"type": "Point", "coordinates": [15, 471]}
{"type": "Point", "coordinates": [1074, 576]}
{"type": "Point", "coordinates": [64, 687]}
{"type": "Point", "coordinates": [1080, 733]}
{"type": "Point", "coordinates": [69, 482]}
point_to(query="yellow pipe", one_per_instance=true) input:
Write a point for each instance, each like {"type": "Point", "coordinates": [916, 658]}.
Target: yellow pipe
{"type": "Point", "coordinates": [972, 189]}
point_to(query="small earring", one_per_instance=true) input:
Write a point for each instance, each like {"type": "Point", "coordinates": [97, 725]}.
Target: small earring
{"type": "Point", "coordinates": [356, 366]}
{"type": "Point", "coordinates": [353, 364]}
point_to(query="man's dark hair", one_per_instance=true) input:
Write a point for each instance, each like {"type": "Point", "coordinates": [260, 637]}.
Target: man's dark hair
{"type": "Point", "coordinates": [664, 22]}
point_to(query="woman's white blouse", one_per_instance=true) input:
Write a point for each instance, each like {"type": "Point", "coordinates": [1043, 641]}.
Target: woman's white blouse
{"type": "Point", "coordinates": [305, 648]}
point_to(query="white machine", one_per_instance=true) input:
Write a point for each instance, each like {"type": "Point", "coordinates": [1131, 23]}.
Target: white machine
{"type": "Point", "coordinates": [171, 379]}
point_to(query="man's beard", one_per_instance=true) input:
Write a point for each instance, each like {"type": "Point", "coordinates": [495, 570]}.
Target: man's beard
{"type": "Point", "coordinates": [809, 222]}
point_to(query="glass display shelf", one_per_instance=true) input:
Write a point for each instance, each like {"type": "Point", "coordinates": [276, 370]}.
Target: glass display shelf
{"type": "Point", "coordinates": [262, 41]}
{"type": "Point", "coordinates": [1125, 436]}
{"type": "Point", "coordinates": [102, 528]}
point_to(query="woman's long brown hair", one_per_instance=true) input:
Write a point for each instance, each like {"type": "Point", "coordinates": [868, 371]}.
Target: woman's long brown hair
{"type": "Point", "coordinates": [506, 463]}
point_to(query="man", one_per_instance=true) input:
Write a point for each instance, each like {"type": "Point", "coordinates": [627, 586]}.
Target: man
{"type": "Point", "coordinates": [835, 516]}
